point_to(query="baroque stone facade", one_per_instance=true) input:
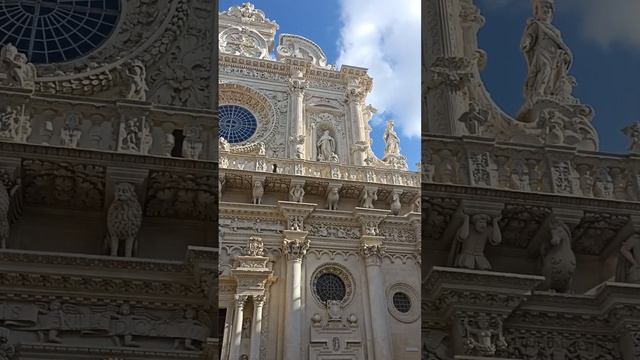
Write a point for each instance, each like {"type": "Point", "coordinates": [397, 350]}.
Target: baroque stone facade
{"type": "Point", "coordinates": [320, 245]}
{"type": "Point", "coordinates": [530, 235]}
{"type": "Point", "coordinates": [108, 194]}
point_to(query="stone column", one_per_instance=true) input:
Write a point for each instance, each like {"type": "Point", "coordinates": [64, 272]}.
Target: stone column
{"type": "Point", "coordinates": [236, 335]}
{"type": "Point", "coordinates": [228, 328]}
{"type": "Point", "coordinates": [256, 331]}
{"type": "Point", "coordinates": [372, 250]}
{"type": "Point", "coordinates": [355, 101]}
{"type": "Point", "coordinates": [297, 86]}
{"type": "Point", "coordinates": [294, 247]}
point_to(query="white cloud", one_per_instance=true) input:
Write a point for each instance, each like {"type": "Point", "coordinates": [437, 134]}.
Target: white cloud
{"type": "Point", "coordinates": [384, 36]}
{"type": "Point", "coordinates": [609, 22]}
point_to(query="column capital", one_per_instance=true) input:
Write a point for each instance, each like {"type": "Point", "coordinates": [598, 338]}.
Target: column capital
{"type": "Point", "coordinates": [297, 86]}
{"type": "Point", "coordinates": [370, 219]}
{"type": "Point", "coordinates": [295, 245]}
{"type": "Point", "coordinates": [240, 301]}
{"type": "Point", "coordinates": [259, 300]}
{"type": "Point", "coordinates": [372, 249]}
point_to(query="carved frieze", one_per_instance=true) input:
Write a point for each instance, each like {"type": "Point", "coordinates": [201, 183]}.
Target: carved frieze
{"type": "Point", "coordinates": [181, 195]}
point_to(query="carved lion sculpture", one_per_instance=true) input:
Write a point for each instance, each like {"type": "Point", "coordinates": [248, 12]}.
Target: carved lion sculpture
{"type": "Point", "coordinates": [558, 259]}
{"type": "Point", "coordinates": [258, 191]}
{"type": "Point", "coordinates": [123, 220]}
{"type": "Point", "coordinates": [332, 198]}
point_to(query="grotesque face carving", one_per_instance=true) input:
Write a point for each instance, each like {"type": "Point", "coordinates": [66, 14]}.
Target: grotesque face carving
{"type": "Point", "coordinates": [124, 191]}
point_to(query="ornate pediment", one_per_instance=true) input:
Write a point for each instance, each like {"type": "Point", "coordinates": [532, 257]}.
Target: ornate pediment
{"type": "Point", "coordinates": [295, 46]}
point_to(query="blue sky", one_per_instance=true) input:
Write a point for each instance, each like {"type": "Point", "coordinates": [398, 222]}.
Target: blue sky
{"type": "Point", "coordinates": [380, 35]}
{"type": "Point", "coordinates": [604, 36]}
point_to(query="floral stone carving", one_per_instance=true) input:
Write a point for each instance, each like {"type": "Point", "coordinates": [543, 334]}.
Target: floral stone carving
{"type": "Point", "coordinates": [181, 195]}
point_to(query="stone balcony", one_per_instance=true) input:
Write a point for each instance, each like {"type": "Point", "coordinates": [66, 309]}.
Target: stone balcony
{"type": "Point", "coordinates": [122, 126]}
{"type": "Point", "coordinates": [560, 170]}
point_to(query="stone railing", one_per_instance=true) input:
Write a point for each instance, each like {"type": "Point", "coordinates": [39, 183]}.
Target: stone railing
{"type": "Point", "coordinates": [324, 170]}
{"type": "Point", "coordinates": [482, 162]}
{"type": "Point", "coordinates": [123, 126]}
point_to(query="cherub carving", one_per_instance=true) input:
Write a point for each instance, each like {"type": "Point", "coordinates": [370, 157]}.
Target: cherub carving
{"type": "Point", "coordinates": [124, 219]}
{"type": "Point", "coordinates": [296, 193]}
{"type": "Point", "coordinates": [470, 241]}
{"type": "Point", "coordinates": [481, 337]}
{"type": "Point", "coordinates": [258, 191]}
{"type": "Point", "coordinates": [333, 196]}
{"type": "Point", "coordinates": [628, 269]}
{"type": "Point", "coordinates": [20, 71]}
{"type": "Point", "coordinates": [136, 74]}
{"type": "Point", "coordinates": [558, 259]}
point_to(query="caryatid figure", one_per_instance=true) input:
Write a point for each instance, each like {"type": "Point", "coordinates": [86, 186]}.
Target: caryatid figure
{"type": "Point", "coordinates": [629, 260]}
{"type": "Point", "coordinates": [470, 241]}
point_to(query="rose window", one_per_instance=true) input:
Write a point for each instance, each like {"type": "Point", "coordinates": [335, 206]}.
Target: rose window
{"type": "Point", "coordinates": [236, 123]}
{"type": "Point", "coordinates": [52, 31]}
{"type": "Point", "coordinates": [330, 287]}
{"type": "Point", "coordinates": [402, 302]}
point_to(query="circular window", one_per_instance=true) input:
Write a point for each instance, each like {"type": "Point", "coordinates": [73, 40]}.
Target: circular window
{"type": "Point", "coordinates": [236, 123]}
{"type": "Point", "coordinates": [332, 282]}
{"type": "Point", "coordinates": [52, 31]}
{"type": "Point", "coordinates": [330, 287]}
{"type": "Point", "coordinates": [402, 302]}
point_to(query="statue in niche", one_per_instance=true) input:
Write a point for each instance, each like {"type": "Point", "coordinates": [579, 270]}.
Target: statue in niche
{"type": "Point", "coordinates": [548, 57]}
{"type": "Point", "coordinates": [333, 196]}
{"type": "Point", "coordinates": [558, 259]}
{"type": "Point", "coordinates": [628, 269]}
{"type": "Point", "coordinates": [20, 72]}
{"type": "Point", "coordinates": [246, 328]}
{"type": "Point", "coordinates": [391, 140]}
{"type": "Point", "coordinates": [257, 192]}
{"type": "Point", "coordinates": [7, 351]}
{"type": "Point", "coordinates": [326, 147]}
{"type": "Point", "coordinates": [124, 219]}
{"type": "Point", "coordinates": [470, 241]}
{"type": "Point", "coordinates": [296, 193]}
{"type": "Point", "coordinates": [633, 133]}
{"type": "Point", "coordinates": [136, 74]}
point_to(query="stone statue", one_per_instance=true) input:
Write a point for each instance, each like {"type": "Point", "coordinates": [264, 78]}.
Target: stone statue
{"type": "Point", "coordinates": [326, 147]}
{"type": "Point", "coordinates": [19, 71]}
{"type": "Point", "coordinates": [548, 57]}
{"type": "Point", "coordinates": [124, 219]}
{"type": "Point", "coordinates": [470, 241]}
{"type": "Point", "coordinates": [192, 144]}
{"type": "Point", "coordinates": [262, 150]}
{"type": "Point", "coordinates": [395, 204]}
{"type": "Point", "coordinates": [480, 338]}
{"type": "Point", "coordinates": [633, 133]}
{"type": "Point", "coordinates": [333, 196]}
{"type": "Point", "coordinates": [391, 140]}
{"type": "Point", "coordinates": [258, 191]}
{"type": "Point", "coordinates": [368, 197]}
{"type": "Point", "coordinates": [137, 75]}
{"type": "Point", "coordinates": [70, 132]}
{"type": "Point", "coordinates": [628, 269]}
{"type": "Point", "coordinates": [558, 259]}
{"type": "Point", "coordinates": [7, 351]}
{"type": "Point", "coordinates": [296, 193]}
{"type": "Point", "coordinates": [224, 144]}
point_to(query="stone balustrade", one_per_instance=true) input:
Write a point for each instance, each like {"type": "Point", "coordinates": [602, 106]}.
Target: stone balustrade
{"type": "Point", "coordinates": [483, 162]}
{"type": "Point", "coordinates": [123, 126]}
{"type": "Point", "coordinates": [324, 170]}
